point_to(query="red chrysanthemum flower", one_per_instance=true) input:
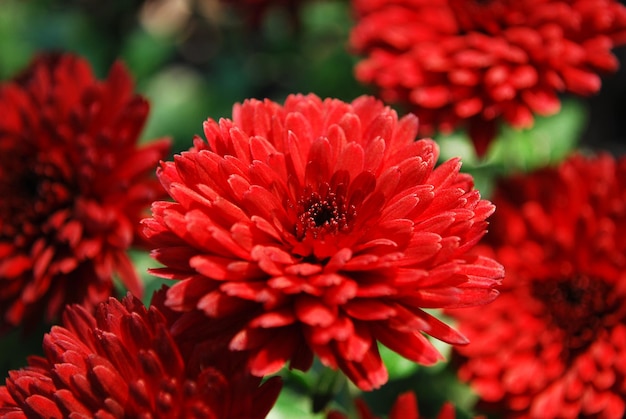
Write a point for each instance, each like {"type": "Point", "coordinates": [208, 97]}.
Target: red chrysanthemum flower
{"type": "Point", "coordinates": [474, 62]}
{"type": "Point", "coordinates": [74, 186]}
{"type": "Point", "coordinates": [405, 407]}
{"type": "Point", "coordinates": [554, 342]}
{"type": "Point", "coordinates": [123, 362]}
{"type": "Point", "coordinates": [321, 227]}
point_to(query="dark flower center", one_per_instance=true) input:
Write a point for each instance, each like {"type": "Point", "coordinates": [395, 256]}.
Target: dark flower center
{"type": "Point", "coordinates": [32, 193]}
{"type": "Point", "coordinates": [29, 184]}
{"type": "Point", "coordinates": [581, 307]}
{"type": "Point", "coordinates": [323, 212]}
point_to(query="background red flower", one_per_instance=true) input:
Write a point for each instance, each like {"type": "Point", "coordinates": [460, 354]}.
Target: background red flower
{"type": "Point", "coordinates": [74, 185]}
{"type": "Point", "coordinates": [554, 343]}
{"type": "Point", "coordinates": [473, 63]}
{"type": "Point", "coordinates": [321, 227]}
{"type": "Point", "coordinates": [124, 362]}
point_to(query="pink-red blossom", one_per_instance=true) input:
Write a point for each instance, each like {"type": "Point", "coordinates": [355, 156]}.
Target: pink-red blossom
{"type": "Point", "coordinates": [74, 184]}
{"type": "Point", "coordinates": [473, 64]}
{"type": "Point", "coordinates": [320, 227]}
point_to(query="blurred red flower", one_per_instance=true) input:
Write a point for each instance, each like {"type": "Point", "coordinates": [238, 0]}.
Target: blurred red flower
{"type": "Point", "coordinates": [554, 342]}
{"type": "Point", "coordinates": [321, 227]}
{"type": "Point", "coordinates": [124, 362]}
{"type": "Point", "coordinates": [405, 407]}
{"type": "Point", "coordinates": [473, 63]}
{"type": "Point", "coordinates": [74, 185]}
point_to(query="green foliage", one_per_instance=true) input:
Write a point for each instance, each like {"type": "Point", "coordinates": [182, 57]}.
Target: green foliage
{"type": "Point", "coordinates": [547, 143]}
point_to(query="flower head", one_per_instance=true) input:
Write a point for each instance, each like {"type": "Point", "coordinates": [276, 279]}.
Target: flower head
{"type": "Point", "coordinates": [405, 407]}
{"type": "Point", "coordinates": [472, 62]}
{"type": "Point", "coordinates": [124, 362]}
{"type": "Point", "coordinates": [554, 343]}
{"type": "Point", "coordinates": [321, 227]}
{"type": "Point", "coordinates": [74, 185]}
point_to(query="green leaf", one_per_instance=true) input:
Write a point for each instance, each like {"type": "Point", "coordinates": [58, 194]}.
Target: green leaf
{"type": "Point", "coordinates": [457, 144]}
{"type": "Point", "coordinates": [291, 404]}
{"type": "Point", "coordinates": [329, 383]}
{"type": "Point", "coordinates": [549, 141]}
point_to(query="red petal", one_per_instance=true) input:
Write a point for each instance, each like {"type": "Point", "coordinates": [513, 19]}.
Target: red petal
{"type": "Point", "coordinates": [413, 346]}
{"type": "Point", "coordinates": [431, 97]}
{"type": "Point", "coordinates": [341, 329]}
{"type": "Point", "coordinates": [269, 258]}
{"type": "Point", "coordinates": [184, 295]}
{"type": "Point", "coordinates": [68, 402]}
{"type": "Point", "coordinates": [42, 407]}
{"type": "Point", "coordinates": [271, 357]}
{"type": "Point", "coordinates": [357, 345]}
{"type": "Point", "coordinates": [272, 319]}
{"type": "Point", "coordinates": [542, 102]}
{"type": "Point", "coordinates": [581, 82]}
{"type": "Point", "coordinates": [311, 311]}
{"type": "Point", "coordinates": [351, 159]}
{"type": "Point", "coordinates": [220, 304]}
{"type": "Point", "coordinates": [368, 309]}
{"type": "Point", "coordinates": [296, 156]}
{"type": "Point", "coordinates": [405, 407]}
{"type": "Point", "coordinates": [369, 374]}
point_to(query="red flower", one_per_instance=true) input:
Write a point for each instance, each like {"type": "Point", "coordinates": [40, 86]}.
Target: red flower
{"type": "Point", "coordinates": [554, 342]}
{"type": "Point", "coordinates": [321, 227]}
{"type": "Point", "coordinates": [472, 62]}
{"type": "Point", "coordinates": [74, 185]}
{"type": "Point", "coordinates": [124, 362]}
{"type": "Point", "coordinates": [405, 407]}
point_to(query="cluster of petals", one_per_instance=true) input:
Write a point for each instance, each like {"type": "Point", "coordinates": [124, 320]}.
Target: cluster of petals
{"type": "Point", "coordinates": [474, 63]}
{"type": "Point", "coordinates": [321, 227]}
{"type": "Point", "coordinates": [554, 343]}
{"type": "Point", "coordinates": [405, 407]}
{"type": "Point", "coordinates": [123, 362]}
{"type": "Point", "coordinates": [74, 184]}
